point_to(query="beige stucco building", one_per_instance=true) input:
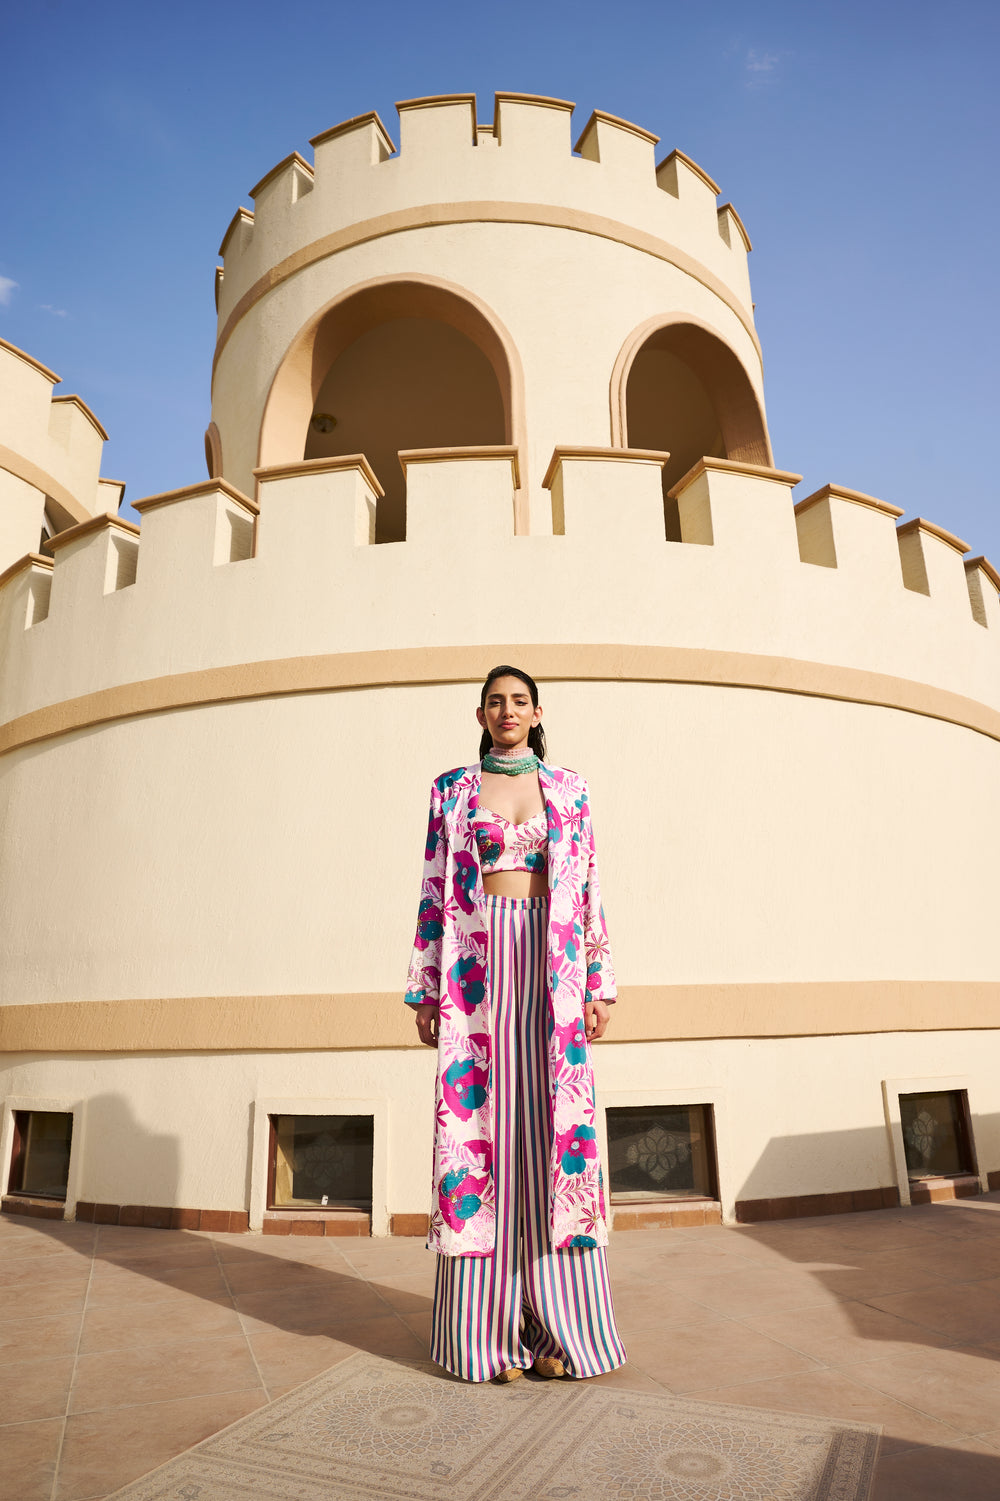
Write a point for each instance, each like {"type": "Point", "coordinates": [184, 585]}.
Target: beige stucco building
{"type": "Point", "coordinates": [484, 397]}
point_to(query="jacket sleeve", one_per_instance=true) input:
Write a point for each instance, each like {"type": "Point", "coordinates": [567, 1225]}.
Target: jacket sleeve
{"type": "Point", "coordinates": [423, 985]}
{"type": "Point", "coordinates": [597, 949]}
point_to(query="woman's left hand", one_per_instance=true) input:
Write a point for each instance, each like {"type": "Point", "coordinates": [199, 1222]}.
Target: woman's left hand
{"type": "Point", "coordinates": [596, 1018]}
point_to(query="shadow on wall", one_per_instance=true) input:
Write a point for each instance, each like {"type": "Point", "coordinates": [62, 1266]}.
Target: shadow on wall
{"type": "Point", "coordinates": [844, 1166]}
{"type": "Point", "coordinates": [123, 1162]}
{"type": "Point", "coordinates": [823, 1162]}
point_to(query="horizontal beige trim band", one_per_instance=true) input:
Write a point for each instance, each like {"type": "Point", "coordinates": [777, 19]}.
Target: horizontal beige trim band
{"type": "Point", "coordinates": [68, 509]}
{"type": "Point", "coordinates": [432, 215]}
{"type": "Point", "coordinates": [469, 664]}
{"type": "Point", "coordinates": [375, 1019]}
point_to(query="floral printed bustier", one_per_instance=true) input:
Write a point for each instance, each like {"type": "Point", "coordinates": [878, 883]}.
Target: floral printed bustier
{"type": "Point", "coordinates": [511, 846]}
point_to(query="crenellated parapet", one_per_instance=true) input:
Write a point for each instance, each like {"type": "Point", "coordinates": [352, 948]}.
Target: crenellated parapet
{"type": "Point", "coordinates": [555, 259]}
{"type": "Point", "coordinates": [448, 160]}
{"type": "Point", "coordinates": [50, 457]}
{"type": "Point", "coordinates": [225, 597]}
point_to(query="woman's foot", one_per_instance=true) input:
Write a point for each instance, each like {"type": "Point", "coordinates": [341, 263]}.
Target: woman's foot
{"type": "Point", "coordinates": [511, 1374]}
{"type": "Point", "coordinates": [548, 1366]}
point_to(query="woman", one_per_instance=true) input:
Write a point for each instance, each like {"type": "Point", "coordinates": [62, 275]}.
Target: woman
{"type": "Point", "coordinates": [511, 978]}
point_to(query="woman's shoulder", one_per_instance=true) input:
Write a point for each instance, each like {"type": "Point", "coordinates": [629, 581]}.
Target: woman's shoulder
{"type": "Point", "coordinates": [572, 781]}
{"type": "Point", "coordinates": [448, 780]}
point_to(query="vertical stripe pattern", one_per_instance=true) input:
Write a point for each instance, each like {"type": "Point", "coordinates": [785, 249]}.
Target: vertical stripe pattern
{"type": "Point", "coordinates": [494, 1312]}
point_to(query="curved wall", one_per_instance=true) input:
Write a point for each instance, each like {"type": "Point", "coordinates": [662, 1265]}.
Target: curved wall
{"type": "Point", "coordinates": [747, 837]}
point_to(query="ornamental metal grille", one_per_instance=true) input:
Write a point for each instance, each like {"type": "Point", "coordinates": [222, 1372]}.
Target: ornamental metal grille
{"type": "Point", "coordinates": [936, 1136]}
{"type": "Point", "coordinates": [660, 1151]}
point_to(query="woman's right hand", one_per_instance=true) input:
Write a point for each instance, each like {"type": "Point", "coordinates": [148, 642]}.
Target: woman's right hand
{"type": "Point", "coordinates": [427, 1025]}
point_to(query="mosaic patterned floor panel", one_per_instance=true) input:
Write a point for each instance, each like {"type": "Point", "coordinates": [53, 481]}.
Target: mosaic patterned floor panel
{"type": "Point", "coordinates": [372, 1428]}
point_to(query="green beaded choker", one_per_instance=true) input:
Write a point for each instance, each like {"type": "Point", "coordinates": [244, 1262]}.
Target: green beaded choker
{"type": "Point", "coordinates": [510, 766]}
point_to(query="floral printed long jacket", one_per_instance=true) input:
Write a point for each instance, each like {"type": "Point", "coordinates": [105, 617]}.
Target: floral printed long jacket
{"type": "Point", "coordinates": [450, 968]}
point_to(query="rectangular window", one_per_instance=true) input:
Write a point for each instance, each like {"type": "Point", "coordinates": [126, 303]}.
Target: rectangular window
{"type": "Point", "coordinates": [661, 1152]}
{"type": "Point", "coordinates": [936, 1135]}
{"type": "Point", "coordinates": [321, 1162]}
{"type": "Point", "coordinates": [40, 1159]}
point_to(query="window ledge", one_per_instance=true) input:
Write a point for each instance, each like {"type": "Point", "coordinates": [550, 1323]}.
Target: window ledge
{"type": "Point", "coordinates": [39, 1209]}
{"type": "Point", "coordinates": [665, 1214]}
{"type": "Point", "coordinates": [936, 1190]}
{"type": "Point", "coordinates": [355, 1222]}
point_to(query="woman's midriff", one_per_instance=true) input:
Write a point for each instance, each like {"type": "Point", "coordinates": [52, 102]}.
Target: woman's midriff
{"type": "Point", "coordinates": [516, 883]}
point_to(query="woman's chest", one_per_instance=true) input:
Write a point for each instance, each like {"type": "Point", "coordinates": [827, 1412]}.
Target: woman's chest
{"type": "Point", "coordinates": [516, 799]}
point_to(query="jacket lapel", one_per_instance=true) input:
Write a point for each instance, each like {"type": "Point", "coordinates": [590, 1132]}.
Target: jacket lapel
{"type": "Point", "coordinates": [557, 809]}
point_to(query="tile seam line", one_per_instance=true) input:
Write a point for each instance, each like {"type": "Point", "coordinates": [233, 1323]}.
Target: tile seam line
{"type": "Point", "coordinates": [226, 1391]}
{"type": "Point", "coordinates": [920, 1411]}
{"type": "Point", "coordinates": [73, 1374]}
{"type": "Point", "coordinates": [826, 1417]}
{"type": "Point", "coordinates": [220, 1264]}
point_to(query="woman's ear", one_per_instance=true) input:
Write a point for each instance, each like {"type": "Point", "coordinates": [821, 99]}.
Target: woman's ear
{"type": "Point", "coordinates": [481, 719]}
{"type": "Point", "coordinates": [536, 717]}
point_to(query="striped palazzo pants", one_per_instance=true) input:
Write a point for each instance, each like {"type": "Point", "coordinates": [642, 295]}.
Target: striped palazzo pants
{"type": "Point", "coordinates": [500, 1311]}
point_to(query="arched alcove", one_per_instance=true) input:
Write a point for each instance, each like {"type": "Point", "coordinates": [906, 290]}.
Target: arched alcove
{"type": "Point", "coordinates": [393, 365]}
{"type": "Point", "coordinates": [678, 387]}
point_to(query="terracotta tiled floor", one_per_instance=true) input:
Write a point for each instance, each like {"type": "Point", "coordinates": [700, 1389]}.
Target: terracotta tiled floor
{"type": "Point", "coordinates": [120, 1348]}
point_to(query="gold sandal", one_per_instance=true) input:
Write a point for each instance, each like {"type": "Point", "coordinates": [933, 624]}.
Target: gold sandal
{"type": "Point", "coordinates": [510, 1374]}
{"type": "Point", "coordinates": [548, 1366]}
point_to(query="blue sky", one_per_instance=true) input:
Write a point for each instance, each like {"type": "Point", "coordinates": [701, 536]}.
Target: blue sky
{"type": "Point", "coordinates": [857, 142]}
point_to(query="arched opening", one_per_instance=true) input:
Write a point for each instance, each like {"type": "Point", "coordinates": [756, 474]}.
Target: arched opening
{"type": "Point", "coordinates": [393, 365]}
{"type": "Point", "coordinates": [678, 387]}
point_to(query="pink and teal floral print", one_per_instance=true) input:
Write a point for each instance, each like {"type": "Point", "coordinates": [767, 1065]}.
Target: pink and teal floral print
{"type": "Point", "coordinates": [572, 1040]}
{"type": "Point", "coordinates": [450, 968]}
{"type": "Point", "coordinates": [467, 983]}
{"type": "Point", "coordinates": [458, 1197]}
{"type": "Point", "coordinates": [464, 1087]}
{"type": "Point", "coordinates": [576, 1148]}
{"type": "Point", "coordinates": [489, 838]}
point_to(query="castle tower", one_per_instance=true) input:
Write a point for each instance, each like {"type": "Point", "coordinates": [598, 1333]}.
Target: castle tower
{"type": "Point", "coordinates": [488, 398]}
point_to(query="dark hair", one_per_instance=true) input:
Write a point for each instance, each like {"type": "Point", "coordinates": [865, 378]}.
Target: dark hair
{"type": "Point", "coordinates": [536, 735]}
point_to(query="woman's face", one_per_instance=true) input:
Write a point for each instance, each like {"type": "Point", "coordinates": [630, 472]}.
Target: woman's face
{"type": "Point", "coordinates": [509, 713]}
